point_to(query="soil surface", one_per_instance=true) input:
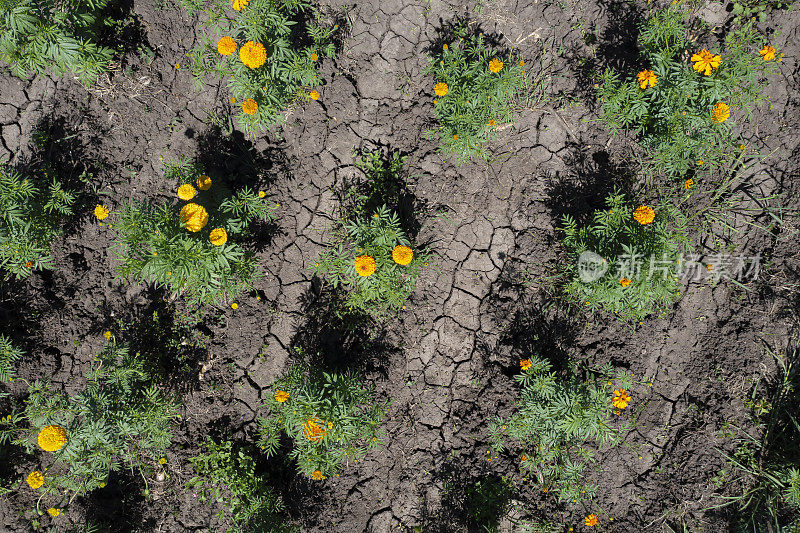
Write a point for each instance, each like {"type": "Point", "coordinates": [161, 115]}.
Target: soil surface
{"type": "Point", "coordinates": [447, 363]}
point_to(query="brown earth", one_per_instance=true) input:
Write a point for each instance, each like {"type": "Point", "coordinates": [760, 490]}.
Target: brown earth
{"type": "Point", "coordinates": [447, 362]}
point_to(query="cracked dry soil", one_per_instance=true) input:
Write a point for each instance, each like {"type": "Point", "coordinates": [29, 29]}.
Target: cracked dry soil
{"type": "Point", "coordinates": [448, 361]}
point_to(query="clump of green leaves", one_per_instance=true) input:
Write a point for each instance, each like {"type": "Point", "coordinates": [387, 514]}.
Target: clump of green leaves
{"type": "Point", "coordinates": [674, 117]}
{"type": "Point", "coordinates": [622, 266]}
{"type": "Point", "coordinates": [118, 419]}
{"type": "Point", "coordinates": [9, 355]}
{"type": "Point", "coordinates": [560, 421]}
{"type": "Point", "coordinates": [383, 185]}
{"type": "Point", "coordinates": [362, 258]}
{"type": "Point", "coordinates": [745, 10]}
{"type": "Point", "coordinates": [767, 465]}
{"type": "Point", "coordinates": [155, 245]}
{"type": "Point", "coordinates": [41, 35]}
{"type": "Point", "coordinates": [475, 92]}
{"type": "Point", "coordinates": [29, 221]}
{"type": "Point", "coordinates": [331, 418]}
{"type": "Point", "coordinates": [225, 475]}
{"type": "Point", "coordinates": [294, 38]}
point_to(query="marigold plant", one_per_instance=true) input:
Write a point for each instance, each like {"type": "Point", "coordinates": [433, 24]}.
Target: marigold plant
{"type": "Point", "coordinates": [332, 419]}
{"type": "Point", "coordinates": [685, 103]}
{"type": "Point", "coordinates": [52, 36]}
{"type": "Point", "coordinates": [118, 418]}
{"type": "Point", "coordinates": [267, 51]}
{"type": "Point", "coordinates": [625, 260]}
{"type": "Point", "coordinates": [30, 220]}
{"type": "Point", "coordinates": [225, 476]}
{"type": "Point", "coordinates": [559, 423]}
{"type": "Point", "coordinates": [193, 249]}
{"type": "Point", "coordinates": [475, 87]}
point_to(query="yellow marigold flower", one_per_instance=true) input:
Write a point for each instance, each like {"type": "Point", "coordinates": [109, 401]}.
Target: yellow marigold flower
{"type": "Point", "coordinates": [644, 215]}
{"type": "Point", "coordinates": [234, 305]}
{"type": "Point", "coordinates": [238, 5]}
{"type": "Point", "coordinates": [102, 484]}
{"type": "Point", "coordinates": [253, 54]}
{"type": "Point", "coordinates": [402, 255]}
{"type": "Point", "coordinates": [35, 479]}
{"type": "Point", "coordinates": [720, 112]}
{"type": "Point", "coordinates": [313, 431]}
{"type": "Point", "coordinates": [313, 56]}
{"type": "Point", "coordinates": [314, 95]}
{"type": "Point", "coordinates": [226, 46]}
{"type": "Point", "coordinates": [281, 396]}
{"type": "Point", "coordinates": [624, 282]}
{"type": "Point", "coordinates": [646, 78]}
{"type": "Point", "coordinates": [233, 100]}
{"type": "Point", "coordinates": [101, 212]}
{"type": "Point", "coordinates": [767, 53]}
{"type": "Point", "coordinates": [194, 217]}
{"type": "Point", "coordinates": [620, 399]}
{"type": "Point", "coordinates": [365, 265]}
{"type": "Point", "coordinates": [705, 62]}
{"type": "Point", "coordinates": [249, 106]}
{"type": "Point", "coordinates": [218, 236]}
{"type": "Point", "coordinates": [54, 511]}
{"type": "Point", "coordinates": [186, 192]}
{"type": "Point", "coordinates": [495, 65]}
{"type": "Point", "coordinates": [525, 364]}
{"type": "Point", "coordinates": [521, 63]}
{"type": "Point", "coordinates": [445, 47]}
{"type": "Point", "coordinates": [441, 89]}
{"type": "Point", "coordinates": [261, 194]}
{"type": "Point", "coordinates": [590, 520]}
{"type": "Point", "coordinates": [52, 438]}
{"type": "Point", "coordinates": [107, 335]}
{"type": "Point", "coordinates": [688, 184]}
{"type": "Point", "coordinates": [204, 182]}
{"type": "Point", "coordinates": [316, 475]}
{"type": "Point", "coordinates": [162, 461]}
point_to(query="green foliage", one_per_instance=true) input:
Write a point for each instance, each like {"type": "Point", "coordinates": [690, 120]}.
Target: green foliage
{"type": "Point", "coordinates": [41, 35]}
{"type": "Point", "coordinates": [226, 475]}
{"type": "Point", "coordinates": [155, 247]}
{"type": "Point", "coordinates": [745, 10]}
{"type": "Point", "coordinates": [290, 65]}
{"type": "Point", "coordinates": [118, 419]}
{"type": "Point", "coordinates": [331, 418]}
{"type": "Point", "coordinates": [481, 502]}
{"type": "Point", "coordinates": [383, 186]}
{"type": "Point", "coordinates": [9, 355]}
{"type": "Point", "coordinates": [767, 465]}
{"type": "Point", "coordinates": [388, 287]}
{"type": "Point", "coordinates": [559, 422]}
{"type": "Point", "coordinates": [673, 118]}
{"type": "Point", "coordinates": [29, 221]}
{"type": "Point", "coordinates": [646, 255]}
{"type": "Point", "coordinates": [478, 100]}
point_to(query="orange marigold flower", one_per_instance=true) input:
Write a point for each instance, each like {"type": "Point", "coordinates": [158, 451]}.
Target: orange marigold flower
{"type": "Point", "coordinates": [101, 212]}
{"type": "Point", "coordinates": [495, 65]}
{"type": "Point", "coordinates": [644, 215]}
{"type": "Point", "coordinates": [218, 236]}
{"type": "Point", "coordinates": [29, 264]}
{"type": "Point", "coordinates": [226, 46]}
{"type": "Point", "coordinates": [521, 63]}
{"type": "Point", "coordinates": [194, 217]}
{"type": "Point", "coordinates": [314, 95]}
{"type": "Point", "coordinates": [186, 192]}
{"type": "Point", "coordinates": [620, 399]}
{"type": "Point", "coordinates": [441, 89]}
{"type": "Point", "coordinates": [54, 511]}
{"type": "Point", "coordinates": [705, 62]}
{"type": "Point", "coordinates": [402, 255]}
{"type": "Point", "coordinates": [35, 479]}
{"type": "Point", "coordinates": [281, 396]}
{"type": "Point", "coordinates": [492, 123]}
{"type": "Point", "coordinates": [238, 5]}
{"type": "Point", "coordinates": [688, 184]}
{"type": "Point", "coordinates": [204, 182]}
{"type": "Point", "coordinates": [313, 56]}
{"type": "Point", "coordinates": [52, 438]}
{"type": "Point", "coordinates": [316, 475]}
{"type": "Point", "coordinates": [365, 265]}
{"type": "Point", "coordinates": [590, 520]}
{"type": "Point", "coordinates": [525, 364]}
{"type": "Point", "coordinates": [624, 282]}
{"type": "Point", "coordinates": [249, 106]}
{"type": "Point", "coordinates": [646, 78]}
{"type": "Point", "coordinates": [313, 431]}
{"type": "Point", "coordinates": [720, 112]}
{"type": "Point", "coordinates": [767, 53]}
{"type": "Point", "coordinates": [253, 54]}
